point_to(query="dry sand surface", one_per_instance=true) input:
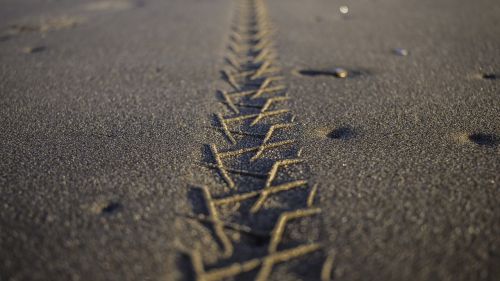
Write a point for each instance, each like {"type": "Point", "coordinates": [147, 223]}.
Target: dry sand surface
{"type": "Point", "coordinates": [249, 140]}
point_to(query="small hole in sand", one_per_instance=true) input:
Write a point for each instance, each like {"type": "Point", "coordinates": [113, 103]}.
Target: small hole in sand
{"type": "Point", "coordinates": [312, 72]}
{"type": "Point", "coordinates": [483, 139]}
{"type": "Point", "coordinates": [341, 133]}
{"type": "Point", "coordinates": [338, 72]}
{"type": "Point", "coordinates": [111, 207]}
{"type": "Point", "coordinates": [32, 50]}
{"type": "Point", "coordinates": [489, 76]}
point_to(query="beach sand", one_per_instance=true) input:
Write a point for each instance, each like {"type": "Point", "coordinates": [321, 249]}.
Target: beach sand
{"type": "Point", "coordinates": [133, 130]}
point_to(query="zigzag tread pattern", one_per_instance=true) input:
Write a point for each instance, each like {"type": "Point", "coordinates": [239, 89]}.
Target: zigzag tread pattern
{"type": "Point", "coordinates": [258, 162]}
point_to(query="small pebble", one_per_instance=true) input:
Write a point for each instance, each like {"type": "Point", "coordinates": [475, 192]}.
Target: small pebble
{"type": "Point", "coordinates": [344, 9]}
{"type": "Point", "coordinates": [401, 52]}
{"type": "Point", "coordinates": [340, 72]}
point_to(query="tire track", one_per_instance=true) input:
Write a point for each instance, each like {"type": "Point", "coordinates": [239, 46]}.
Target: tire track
{"type": "Point", "coordinates": [262, 190]}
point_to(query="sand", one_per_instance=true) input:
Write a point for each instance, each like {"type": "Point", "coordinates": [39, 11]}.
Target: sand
{"type": "Point", "coordinates": [109, 123]}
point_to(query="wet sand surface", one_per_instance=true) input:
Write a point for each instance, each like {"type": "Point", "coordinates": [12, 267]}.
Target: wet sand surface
{"type": "Point", "coordinates": [108, 111]}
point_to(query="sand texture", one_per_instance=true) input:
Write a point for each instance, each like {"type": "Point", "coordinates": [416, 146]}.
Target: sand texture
{"type": "Point", "coordinates": [249, 140]}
